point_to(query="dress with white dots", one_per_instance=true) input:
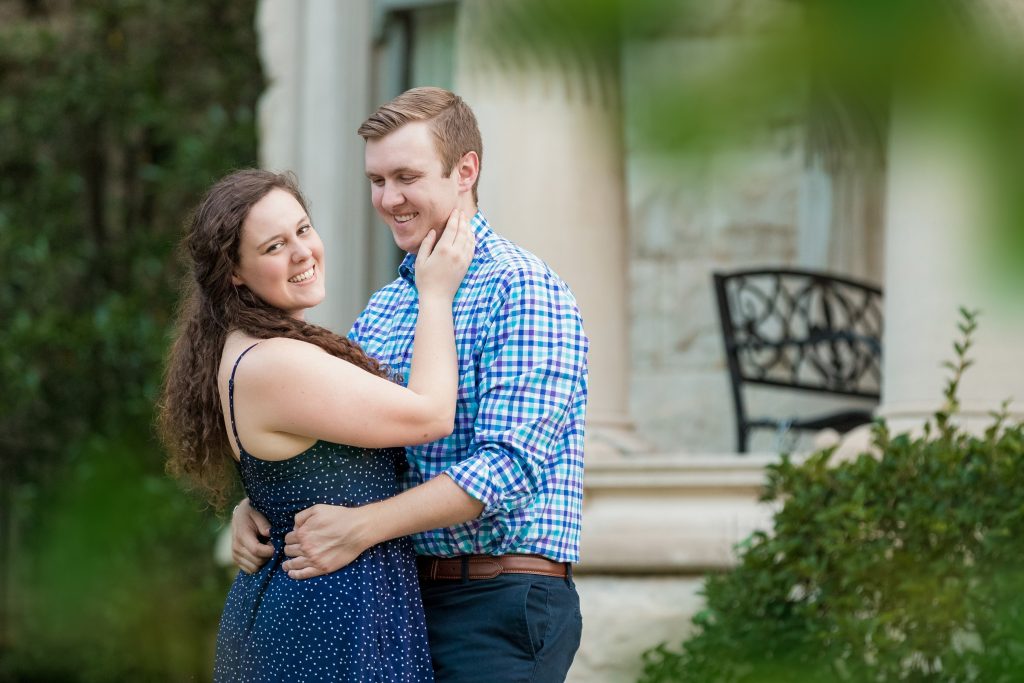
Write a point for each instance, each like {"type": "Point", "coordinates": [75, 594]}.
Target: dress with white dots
{"type": "Point", "coordinates": [361, 623]}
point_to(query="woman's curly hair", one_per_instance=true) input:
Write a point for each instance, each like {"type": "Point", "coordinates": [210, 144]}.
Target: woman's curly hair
{"type": "Point", "coordinates": [191, 422]}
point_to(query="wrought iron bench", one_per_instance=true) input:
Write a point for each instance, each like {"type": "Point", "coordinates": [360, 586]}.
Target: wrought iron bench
{"type": "Point", "coordinates": [800, 329]}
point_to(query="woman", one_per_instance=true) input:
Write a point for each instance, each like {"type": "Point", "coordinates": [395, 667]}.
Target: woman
{"type": "Point", "coordinates": [306, 416]}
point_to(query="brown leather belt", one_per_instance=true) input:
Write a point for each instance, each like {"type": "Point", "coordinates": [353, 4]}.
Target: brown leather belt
{"type": "Point", "coordinates": [487, 566]}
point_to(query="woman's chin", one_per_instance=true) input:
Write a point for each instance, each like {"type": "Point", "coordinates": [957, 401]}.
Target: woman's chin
{"type": "Point", "coordinates": [316, 301]}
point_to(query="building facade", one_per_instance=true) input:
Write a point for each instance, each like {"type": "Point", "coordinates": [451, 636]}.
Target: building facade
{"type": "Point", "coordinates": [637, 235]}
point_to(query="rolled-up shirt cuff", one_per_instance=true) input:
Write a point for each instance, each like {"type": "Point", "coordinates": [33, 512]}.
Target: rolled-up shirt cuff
{"type": "Point", "coordinates": [474, 476]}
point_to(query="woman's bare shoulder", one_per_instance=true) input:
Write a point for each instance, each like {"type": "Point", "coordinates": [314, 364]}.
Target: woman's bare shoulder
{"type": "Point", "coordinates": [270, 358]}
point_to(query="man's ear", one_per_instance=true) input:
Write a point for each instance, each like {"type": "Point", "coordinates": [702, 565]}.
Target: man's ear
{"type": "Point", "coordinates": [468, 169]}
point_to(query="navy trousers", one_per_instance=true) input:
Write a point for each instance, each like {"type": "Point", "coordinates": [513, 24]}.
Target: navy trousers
{"type": "Point", "coordinates": [514, 628]}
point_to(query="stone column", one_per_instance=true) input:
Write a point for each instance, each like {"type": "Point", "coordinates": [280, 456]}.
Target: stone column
{"type": "Point", "coordinates": [316, 56]}
{"type": "Point", "coordinates": [935, 220]}
{"type": "Point", "coordinates": [553, 182]}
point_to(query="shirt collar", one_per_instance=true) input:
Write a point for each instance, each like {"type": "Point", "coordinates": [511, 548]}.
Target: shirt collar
{"type": "Point", "coordinates": [481, 229]}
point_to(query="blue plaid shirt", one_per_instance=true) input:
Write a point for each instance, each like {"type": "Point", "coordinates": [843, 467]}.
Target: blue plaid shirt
{"type": "Point", "coordinates": [518, 440]}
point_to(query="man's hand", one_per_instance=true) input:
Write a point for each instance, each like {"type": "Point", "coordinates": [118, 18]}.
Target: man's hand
{"type": "Point", "coordinates": [328, 537]}
{"type": "Point", "coordinates": [247, 525]}
{"type": "Point", "coordinates": [325, 539]}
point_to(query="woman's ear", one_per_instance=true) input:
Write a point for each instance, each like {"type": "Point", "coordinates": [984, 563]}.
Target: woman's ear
{"type": "Point", "coordinates": [236, 281]}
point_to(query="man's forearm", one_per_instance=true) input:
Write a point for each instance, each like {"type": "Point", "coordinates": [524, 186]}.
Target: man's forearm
{"type": "Point", "coordinates": [328, 537]}
{"type": "Point", "coordinates": [435, 504]}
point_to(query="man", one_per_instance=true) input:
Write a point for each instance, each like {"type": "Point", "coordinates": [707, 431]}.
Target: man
{"type": "Point", "coordinates": [495, 507]}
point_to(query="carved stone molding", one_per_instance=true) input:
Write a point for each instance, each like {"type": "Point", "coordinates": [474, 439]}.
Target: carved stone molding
{"type": "Point", "coordinates": [670, 513]}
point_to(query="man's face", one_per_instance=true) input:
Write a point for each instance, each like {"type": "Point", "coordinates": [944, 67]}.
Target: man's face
{"type": "Point", "coordinates": [407, 186]}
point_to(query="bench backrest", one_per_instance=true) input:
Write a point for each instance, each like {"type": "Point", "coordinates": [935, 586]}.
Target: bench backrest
{"type": "Point", "coordinates": [801, 329]}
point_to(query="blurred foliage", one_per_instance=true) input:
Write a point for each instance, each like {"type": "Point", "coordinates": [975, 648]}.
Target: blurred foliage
{"type": "Point", "coordinates": [116, 580]}
{"type": "Point", "coordinates": [839, 65]}
{"type": "Point", "coordinates": [115, 115]}
{"type": "Point", "coordinates": [902, 565]}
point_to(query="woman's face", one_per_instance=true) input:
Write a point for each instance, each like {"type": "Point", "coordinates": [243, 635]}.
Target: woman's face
{"type": "Point", "coordinates": [281, 257]}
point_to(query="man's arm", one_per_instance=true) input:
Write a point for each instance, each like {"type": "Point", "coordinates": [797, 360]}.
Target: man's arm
{"type": "Point", "coordinates": [532, 364]}
{"type": "Point", "coordinates": [328, 537]}
{"type": "Point", "coordinates": [247, 525]}
{"type": "Point", "coordinates": [532, 370]}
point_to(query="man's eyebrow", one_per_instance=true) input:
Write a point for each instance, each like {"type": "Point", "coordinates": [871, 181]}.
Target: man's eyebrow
{"type": "Point", "coordinates": [404, 170]}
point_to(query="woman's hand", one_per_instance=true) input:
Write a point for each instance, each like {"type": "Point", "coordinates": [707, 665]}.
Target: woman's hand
{"type": "Point", "coordinates": [442, 262]}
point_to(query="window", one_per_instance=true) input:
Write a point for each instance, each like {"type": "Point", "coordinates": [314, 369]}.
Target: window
{"type": "Point", "coordinates": [414, 45]}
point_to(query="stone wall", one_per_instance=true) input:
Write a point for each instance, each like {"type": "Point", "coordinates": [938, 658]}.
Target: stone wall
{"type": "Point", "coordinates": [653, 525]}
{"type": "Point", "coordinates": [688, 218]}
{"type": "Point", "coordinates": [739, 207]}
{"type": "Point", "coordinates": [625, 615]}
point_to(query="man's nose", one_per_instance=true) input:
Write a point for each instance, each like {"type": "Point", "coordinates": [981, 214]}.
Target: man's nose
{"type": "Point", "coordinates": [392, 196]}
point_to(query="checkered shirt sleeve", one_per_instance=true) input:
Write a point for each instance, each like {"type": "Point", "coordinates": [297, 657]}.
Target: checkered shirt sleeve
{"type": "Point", "coordinates": [518, 440]}
{"type": "Point", "coordinates": [532, 361]}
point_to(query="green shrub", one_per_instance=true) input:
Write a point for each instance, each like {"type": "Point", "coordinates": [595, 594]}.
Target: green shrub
{"type": "Point", "coordinates": [117, 581]}
{"type": "Point", "coordinates": [905, 566]}
{"type": "Point", "coordinates": [115, 115]}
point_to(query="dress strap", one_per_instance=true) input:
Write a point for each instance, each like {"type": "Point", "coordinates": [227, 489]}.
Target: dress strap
{"type": "Point", "coordinates": [231, 397]}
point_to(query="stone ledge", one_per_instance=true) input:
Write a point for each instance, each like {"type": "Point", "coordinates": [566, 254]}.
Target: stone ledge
{"type": "Point", "coordinates": [726, 471]}
{"type": "Point", "coordinates": [670, 513]}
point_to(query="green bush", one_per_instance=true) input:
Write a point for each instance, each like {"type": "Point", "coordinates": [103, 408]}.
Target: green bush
{"type": "Point", "coordinates": [115, 115]}
{"type": "Point", "coordinates": [900, 566]}
{"type": "Point", "coordinates": [117, 580]}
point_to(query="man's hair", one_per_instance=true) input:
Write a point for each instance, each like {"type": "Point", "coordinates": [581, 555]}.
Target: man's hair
{"type": "Point", "coordinates": [449, 117]}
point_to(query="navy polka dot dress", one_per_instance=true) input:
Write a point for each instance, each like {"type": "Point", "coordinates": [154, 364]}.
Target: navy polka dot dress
{"type": "Point", "coordinates": [361, 623]}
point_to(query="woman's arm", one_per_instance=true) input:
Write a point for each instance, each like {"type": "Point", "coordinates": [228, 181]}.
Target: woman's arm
{"type": "Point", "coordinates": [293, 387]}
{"type": "Point", "coordinates": [319, 396]}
